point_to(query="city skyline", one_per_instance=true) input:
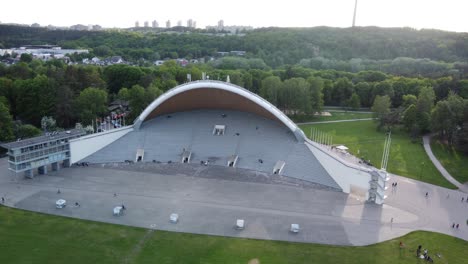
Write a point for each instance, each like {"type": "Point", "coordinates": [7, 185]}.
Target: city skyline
{"type": "Point", "coordinates": [417, 14]}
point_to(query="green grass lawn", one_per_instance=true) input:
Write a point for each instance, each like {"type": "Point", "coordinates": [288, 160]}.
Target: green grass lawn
{"type": "Point", "coordinates": [28, 237]}
{"type": "Point", "coordinates": [455, 162]}
{"type": "Point", "coordinates": [406, 158]}
{"type": "Point", "coordinates": [334, 116]}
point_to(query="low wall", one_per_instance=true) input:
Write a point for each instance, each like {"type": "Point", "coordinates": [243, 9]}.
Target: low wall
{"type": "Point", "coordinates": [346, 175]}
{"type": "Point", "coordinates": [82, 147]}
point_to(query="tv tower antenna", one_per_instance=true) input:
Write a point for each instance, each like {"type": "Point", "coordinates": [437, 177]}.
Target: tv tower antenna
{"type": "Point", "coordinates": [354, 16]}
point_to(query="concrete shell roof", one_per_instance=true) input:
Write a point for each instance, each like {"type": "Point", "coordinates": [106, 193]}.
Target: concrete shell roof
{"type": "Point", "coordinates": [214, 95]}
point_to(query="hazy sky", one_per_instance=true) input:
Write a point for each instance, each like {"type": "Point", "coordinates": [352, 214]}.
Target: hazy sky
{"type": "Point", "coordinates": [440, 14]}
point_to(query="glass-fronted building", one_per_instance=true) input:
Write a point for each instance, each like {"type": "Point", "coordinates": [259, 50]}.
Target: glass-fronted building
{"type": "Point", "coordinates": [39, 152]}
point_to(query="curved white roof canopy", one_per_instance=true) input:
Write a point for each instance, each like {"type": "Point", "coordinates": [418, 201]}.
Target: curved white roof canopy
{"type": "Point", "coordinates": [206, 84]}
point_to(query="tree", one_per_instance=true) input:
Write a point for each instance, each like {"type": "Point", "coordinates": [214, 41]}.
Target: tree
{"type": "Point", "coordinates": [26, 131]}
{"type": "Point", "coordinates": [410, 121]}
{"type": "Point", "coordinates": [48, 123]}
{"type": "Point", "coordinates": [64, 106]}
{"type": "Point", "coordinates": [408, 100]}
{"type": "Point", "coordinates": [354, 102]}
{"type": "Point", "coordinates": [426, 100]}
{"type": "Point", "coordinates": [137, 101]}
{"type": "Point", "coordinates": [424, 106]}
{"type": "Point", "coordinates": [381, 109]}
{"type": "Point", "coordinates": [270, 89]}
{"type": "Point", "coordinates": [91, 103]}
{"type": "Point", "coordinates": [25, 57]}
{"type": "Point", "coordinates": [363, 90]}
{"type": "Point", "coordinates": [342, 90]}
{"type": "Point", "coordinates": [6, 122]}
{"type": "Point", "coordinates": [118, 76]}
{"type": "Point", "coordinates": [447, 116]}
{"type": "Point", "coordinates": [315, 94]}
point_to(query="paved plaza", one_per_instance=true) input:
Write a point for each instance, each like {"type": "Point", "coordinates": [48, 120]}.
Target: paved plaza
{"type": "Point", "coordinates": [209, 199]}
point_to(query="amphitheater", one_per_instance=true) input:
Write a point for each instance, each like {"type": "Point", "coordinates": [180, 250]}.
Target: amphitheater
{"type": "Point", "coordinates": [213, 153]}
{"type": "Point", "coordinates": [215, 123]}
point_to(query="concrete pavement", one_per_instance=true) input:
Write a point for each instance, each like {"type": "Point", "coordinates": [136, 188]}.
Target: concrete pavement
{"type": "Point", "coordinates": [211, 205]}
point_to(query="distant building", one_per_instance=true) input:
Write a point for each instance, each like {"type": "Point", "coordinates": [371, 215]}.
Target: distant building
{"type": "Point", "coordinates": [35, 25]}
{"type": "Point", "coordinates": [146, 24]}
{"type": "Point", "coordinates": [179, 23]}
{"type": "Point", "coordinates": [97, 27]}
{"type": "Point", "coordinates": [168, 24]}
{"type": "Point", "coordinates": [191, 23]}
{"type": "Point", "coordinates": [155, 24]}
{"type": "Point", "coordinates": [137, 24]}
{"type": "Point", "coordinates": [221, 24]}
{"type": "Point", "coordinates": [79, 27]}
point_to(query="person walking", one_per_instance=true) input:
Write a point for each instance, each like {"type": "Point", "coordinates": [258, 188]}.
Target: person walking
{"type": "Point", "coordinates": [427, 194]}
{"type": "Point", "coordinates": [3, 200]}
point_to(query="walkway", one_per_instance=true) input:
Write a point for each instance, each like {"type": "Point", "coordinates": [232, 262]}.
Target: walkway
{"type": "Point", "coordinates": [438, 165]}
{"type": "Point", "coordinates": [335, 121]}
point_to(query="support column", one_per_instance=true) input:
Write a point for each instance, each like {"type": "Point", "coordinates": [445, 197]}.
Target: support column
{"type": "Point", "coordinates": [55, 166]}
{"type": "Point", "coordinates": [42, 169]}
{"type": "Point", "coordinates": [66, 163]}
{"type": "Point", "coordinates": [29, 174]}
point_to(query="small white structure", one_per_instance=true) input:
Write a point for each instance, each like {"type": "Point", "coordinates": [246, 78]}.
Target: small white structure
{"type": "Point", "coordinates": [118, 210]}
{"type": "Point", "coordinates": [342, 148]}
{"type": "Point", "coordinates": [294, 228]}
{"type": "Point", "coordinates": [60, 203]}
{"type": "Point", "coordinates": [240, 224]}
{"type": "Point", "coordinates": [174, 218]}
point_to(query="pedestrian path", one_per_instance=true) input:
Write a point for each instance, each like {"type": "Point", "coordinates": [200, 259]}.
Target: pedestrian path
{"type": "Point", "coordinates": [438, 165]}
{"type": "Point", "coordinates": [335, 121]}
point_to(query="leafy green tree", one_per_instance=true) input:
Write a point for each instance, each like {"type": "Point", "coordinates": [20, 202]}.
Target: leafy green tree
{"type": "Point", "coordinates": [64, 106]}
{"type": "Point", "coordinates": [6, 122]}
{"type": "Point", "coordinates": [354, 102]}
{"type": "Point", "coordinates": [270, 90]}
{"type": "Point", "coordinates": [137, 101]}
{"type": "Point", "coordinates": [124, 94]}
{"type": "Point", "coordinates": [343, 88]}
{"type": "Point", "coordinates": [363, 90]}
{"type": "Point", "coordinates": [381, 109]}
{"type": "Point", "coordinates": [315, 94]}
{"type": "Point", "coordinates": [424, 106]}
{"type": "Point", "coordinates": [91, 104]}
{"type": "Point", "coordinates": [410, 118]}
{"type": "Point", "coordinates": [118, 76]}
{"type": "Point", "coordinates": [295, 96]}
{"type": "Point", "coordinates": [36, 98]}
{"type": "Point", "coordinates": [447, 116]}
{"type": "Point", "coordinates": [408, 100]}
{"type": "Point", "coordinates": [25, 57]}
{"type": "Point", "coordinates": [426, 100]}
{"type": "Point", "coordinates": [26, 131]}
{"type": "Point", "coordinates": [48, 123]}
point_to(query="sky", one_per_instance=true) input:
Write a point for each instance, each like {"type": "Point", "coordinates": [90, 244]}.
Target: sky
{"type": "Point", "coordinates": [441, 14]}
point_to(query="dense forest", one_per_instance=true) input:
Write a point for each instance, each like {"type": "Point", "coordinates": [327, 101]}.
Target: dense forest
{"type": "Point", "coordinates": [275, 67]}
{"type": "Point", "coordinates": [401, 51]}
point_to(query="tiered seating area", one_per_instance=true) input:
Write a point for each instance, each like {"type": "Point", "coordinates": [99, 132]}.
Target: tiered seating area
{"type": "Point", "coordinates": [259, 143]}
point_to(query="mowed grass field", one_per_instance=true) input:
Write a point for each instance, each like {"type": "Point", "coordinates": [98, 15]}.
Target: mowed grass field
{"type": "Point", "coordinates": [455, 162]}
{"type": "Point", "coordinates": [28, 237]}
{"type": "Point", "coordinates": [363, 140]}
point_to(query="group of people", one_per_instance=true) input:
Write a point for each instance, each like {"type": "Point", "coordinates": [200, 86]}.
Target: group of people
{"type": "Point", "coordinates": [425, 256]}
{"type": "Point", "coordinates": [455, 225]}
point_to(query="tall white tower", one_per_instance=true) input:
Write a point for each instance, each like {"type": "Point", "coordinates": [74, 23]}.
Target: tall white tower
{"type": "Point", "coordinates": [354, 16]}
